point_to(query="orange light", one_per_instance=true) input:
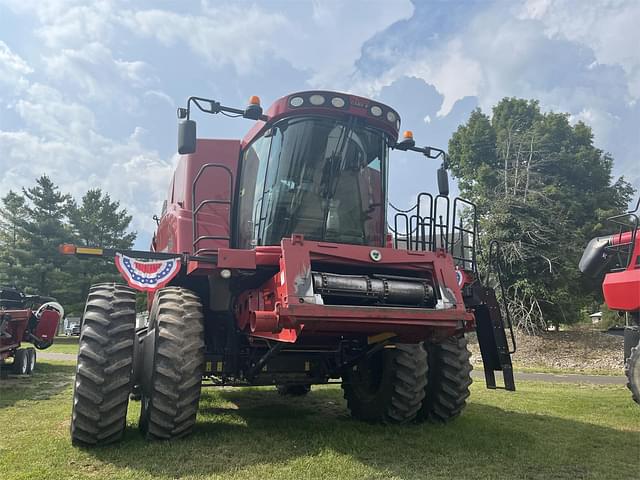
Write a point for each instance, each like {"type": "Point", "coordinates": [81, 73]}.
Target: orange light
{"type": "Point", "coordinates": [254, 100]}
{"type": "Point", "coordinates": [408, 134]}
{"type": "Point", "coordinates": [67, 249]}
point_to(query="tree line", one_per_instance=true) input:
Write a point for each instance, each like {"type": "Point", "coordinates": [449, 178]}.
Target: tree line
{"type": "Point", "coordinates": [544, 190]}
{"type": "Point", "coordinates": [36, 220]}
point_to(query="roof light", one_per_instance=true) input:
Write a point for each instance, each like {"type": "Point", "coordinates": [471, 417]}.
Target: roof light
{"type": "Point", "coordinates": [376, 111]}
{"type": "Point", "coordinates": [408, 135]}
{"type": "Point", "coordinates": [337, 102]}
{"type": "Point", "coordinates": [316, 100]}
{"type": "Point", "coordinates": [296, 101]}
{"type": "Point", "coordinates": [391, 116]}
{"type": "Point", "coordinates": [254, 100]}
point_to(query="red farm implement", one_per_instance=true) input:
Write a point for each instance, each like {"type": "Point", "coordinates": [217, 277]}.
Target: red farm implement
{"type": "Point", "coordinates": [618, 256]}
{"type": "Point", "coordinates": [272, 264]}
{"type": "Point", "coordinates": [25, 318]}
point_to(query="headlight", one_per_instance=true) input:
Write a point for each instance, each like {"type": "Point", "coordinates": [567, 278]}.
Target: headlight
{"type": "Point", "coordinates": [316, 100]}
{"type": "Point", "coordinates": [296, 101]}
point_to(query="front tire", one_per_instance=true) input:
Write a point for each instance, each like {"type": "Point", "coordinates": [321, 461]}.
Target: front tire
{"type": "Point", "coordinates": [632, 370]}
{"type": "Point", "coordinates": [389, 386]}
{"type": "Point", "coordinates": [448, 381]}
{"type": "Point", "coordinates": [105, 358]}
{"type": "Point", "coordinates": [170, 397]}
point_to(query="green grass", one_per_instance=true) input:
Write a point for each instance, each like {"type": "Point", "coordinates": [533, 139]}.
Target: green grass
{"type": "Point", "coordinates": [64, 344]}
{"type": "Point", "coordinates": [542, 431]}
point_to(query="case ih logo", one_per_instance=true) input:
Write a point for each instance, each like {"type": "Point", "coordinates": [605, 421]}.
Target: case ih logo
{"type": "Point", "coordinates": [359, 102]}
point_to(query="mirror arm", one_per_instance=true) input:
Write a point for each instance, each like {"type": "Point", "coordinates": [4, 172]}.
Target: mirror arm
{"type": "Point", "coordinates": [426, 151]}
{"type": "Point", "coordinates": [207, 105]}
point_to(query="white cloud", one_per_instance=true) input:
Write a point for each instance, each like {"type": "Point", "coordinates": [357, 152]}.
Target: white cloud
{"type": "Point", "coordinates": [96, 75]}
{"type": "Point", "coordinates": [608, 27]}
{"type": "Point", "coordinates": [225, 35]}
{"type": "Point", "coordinates": [13, 70]}
{"type": "Point", "coordinates": [67, 23]}
{"type": "Point", "coordinates": [326, 41]}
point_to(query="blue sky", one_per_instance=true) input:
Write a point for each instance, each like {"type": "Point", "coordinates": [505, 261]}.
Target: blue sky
{"type": "Point", "coordinates": [88, 90]}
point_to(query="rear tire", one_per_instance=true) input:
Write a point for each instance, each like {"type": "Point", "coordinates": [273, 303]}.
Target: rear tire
{"type": "Point", "coordinates": [105, 359]}
{"type": "Point", "coordinates": [389, 386]}
{"type": "Point", "coordinates": [21, 361]}
{"type": "Point", "coordinates": [293, 390]}
{"type": "Point", "coordinates": [448, 381]}
{"type": "Point", "coordinates": [632, 370]}
{"type": "Point", "coordinates": [170, 402]}
{"type": "Point", "coordinates": [31, 360]}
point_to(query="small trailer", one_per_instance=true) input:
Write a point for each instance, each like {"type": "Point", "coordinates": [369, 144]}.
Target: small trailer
{"type": "Point", "coordinates": [25, 318]}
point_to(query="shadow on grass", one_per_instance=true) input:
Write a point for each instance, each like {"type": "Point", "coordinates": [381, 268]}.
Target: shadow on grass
{"type": "Point", "coordinates": [241, 429]}
{"type": "Point", "coordinates": [47, 380]}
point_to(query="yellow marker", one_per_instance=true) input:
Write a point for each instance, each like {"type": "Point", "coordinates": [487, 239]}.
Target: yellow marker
{"type": "Point", "coordinates": [219, 366]}
{"type": "Point", "coordinates": [208, 367]}
{"type": "Point", "coordinates": [307, 366]}
{"type": "Point", "coordinates": [88, 251]}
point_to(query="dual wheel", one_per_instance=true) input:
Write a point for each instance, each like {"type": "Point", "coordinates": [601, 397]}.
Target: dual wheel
{"type": "Point", "coordinates": [169, 365]}
{"type": "Point", "coordinates": [24, 361]}
{"type": "Point", "coordinates": [408, 382]}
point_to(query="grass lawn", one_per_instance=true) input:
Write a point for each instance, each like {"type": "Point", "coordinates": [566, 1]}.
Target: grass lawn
{"type": "Point", "coordinates": [542, 431]}
{"type": "Point", "coordinates": [64, 344]}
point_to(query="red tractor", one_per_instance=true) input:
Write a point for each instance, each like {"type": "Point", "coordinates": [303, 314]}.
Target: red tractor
{"type": "Point", "coordinates": [25, 318]}
{"type": "Point", "coordinates": [272, 265]}
{"type": "Point", "coordinates": [619, 256]}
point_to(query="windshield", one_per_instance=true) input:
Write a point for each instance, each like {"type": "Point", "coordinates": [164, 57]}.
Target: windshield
{"type": "Point", "coordinates": [320, 177]}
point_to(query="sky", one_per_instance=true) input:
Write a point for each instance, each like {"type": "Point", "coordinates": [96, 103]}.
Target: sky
{"type": "Point", "coordinates": [89, 89]}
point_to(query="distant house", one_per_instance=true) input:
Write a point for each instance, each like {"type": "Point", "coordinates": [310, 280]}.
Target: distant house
{"type": "Point", "coordinates": [596, 317]}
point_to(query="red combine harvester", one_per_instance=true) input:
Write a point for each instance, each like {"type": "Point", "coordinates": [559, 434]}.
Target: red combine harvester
{"type": "Point", "coordinates": [272, 265]}
{"type": "Point", "coordinates": [25, 318]}
{"type": "Point", "coordinates": [619, 256]}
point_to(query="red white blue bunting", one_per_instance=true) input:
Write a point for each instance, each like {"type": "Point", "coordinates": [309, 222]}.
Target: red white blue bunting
{"type": "Point", "coordinates": [147, 275]}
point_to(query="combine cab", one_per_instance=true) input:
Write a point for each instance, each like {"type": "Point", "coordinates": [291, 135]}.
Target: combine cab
{"type": "Point", "coordinates": [619, 256]}
{"type": "Point", "coordinates": [273, 264]}
{"type": "Point", "coordinates": [25, 318]}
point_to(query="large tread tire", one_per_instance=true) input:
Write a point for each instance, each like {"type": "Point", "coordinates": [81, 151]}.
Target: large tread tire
{"type": "Point", "coordinates": [632, 371]}
{"type": "Point", "coordinates": [293, 390]}
{"type": "Point", "coordinates": [170, 407]}
{"type": "Point", "coordinates": [389, 387]}
{"type": "Point", "coordinates": [105, 361]}
{"type": "Point", "coordinates": [448, 381]}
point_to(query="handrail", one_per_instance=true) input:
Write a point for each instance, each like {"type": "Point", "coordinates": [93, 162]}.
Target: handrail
{"type": "Point", "coordinates": [195, 209]}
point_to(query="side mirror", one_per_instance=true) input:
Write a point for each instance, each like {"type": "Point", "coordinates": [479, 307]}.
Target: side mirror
{"type": "Point", "coordinates": [186, 136]}
{"type": "Point", "coordinates": [443, 181]}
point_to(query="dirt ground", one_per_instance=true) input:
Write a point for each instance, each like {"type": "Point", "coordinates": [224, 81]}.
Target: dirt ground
{"type": "Point", "coordinates": [575, 349]}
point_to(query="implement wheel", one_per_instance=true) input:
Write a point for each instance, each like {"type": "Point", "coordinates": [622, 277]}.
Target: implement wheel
{"type": "Point", "coordinates": [389, 386]}
{"type": "Point", "coordinates": [173, 363]}
{"type": "Point", "coordinates": [31, 360]}
{"type": "Point", "coordinates": [448, 381]}
{"type": "Point", "coordinates": [21, 362]}
{"type": "Point", "coordinates": [103, 373]}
